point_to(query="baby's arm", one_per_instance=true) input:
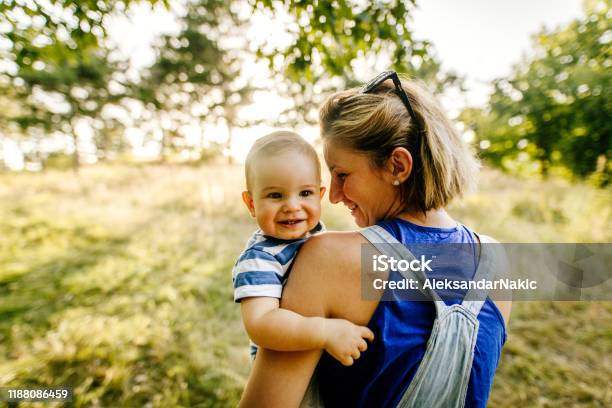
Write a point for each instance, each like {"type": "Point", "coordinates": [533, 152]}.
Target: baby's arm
{"type": "Point", "coordinates": [274, 328]}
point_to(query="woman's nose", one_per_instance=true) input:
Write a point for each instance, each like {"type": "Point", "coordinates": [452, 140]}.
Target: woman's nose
{"type": "Point", "coordinates": [335, 192]}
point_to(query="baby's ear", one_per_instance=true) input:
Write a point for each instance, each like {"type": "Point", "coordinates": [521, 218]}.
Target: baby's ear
{"type": "Point", "coordinates": [322, 192]}
{"type": "Point", "coordinates": [248, 201]}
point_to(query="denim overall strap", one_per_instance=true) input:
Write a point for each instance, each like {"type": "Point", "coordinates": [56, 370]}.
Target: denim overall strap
{"type": "Point", "coordinates": [388, 245]}
{"type": "Point", "coordinates": [444, 372]}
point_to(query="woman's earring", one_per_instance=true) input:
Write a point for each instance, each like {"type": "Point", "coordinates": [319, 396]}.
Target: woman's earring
{"type": "Point", "coordinates": [396, 182]}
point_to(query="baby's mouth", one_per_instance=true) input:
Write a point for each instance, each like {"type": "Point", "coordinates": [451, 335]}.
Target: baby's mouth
{"type": "Point", "coordinates": [290, 222]}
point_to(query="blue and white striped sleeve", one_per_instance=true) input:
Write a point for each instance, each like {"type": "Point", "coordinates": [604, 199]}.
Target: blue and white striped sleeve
{"type": "Point", "coordinates": [257, 274]}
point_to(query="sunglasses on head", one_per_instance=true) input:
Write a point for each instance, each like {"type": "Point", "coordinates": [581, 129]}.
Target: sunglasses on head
{"type": "Point", "coordinates": [392, 75]}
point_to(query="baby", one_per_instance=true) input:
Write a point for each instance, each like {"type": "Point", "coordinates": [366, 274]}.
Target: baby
{"type": "Point", "coordinates": [284, 195]}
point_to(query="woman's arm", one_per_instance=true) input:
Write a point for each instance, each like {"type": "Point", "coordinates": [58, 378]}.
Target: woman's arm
{"type": "Point", "coordinates": [324, 281]}
{"type": "Point", "coordinates": [279, 379]}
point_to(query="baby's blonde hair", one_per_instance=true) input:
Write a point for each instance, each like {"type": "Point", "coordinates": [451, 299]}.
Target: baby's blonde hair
{"type": "Point", "coordinates": [378, 122]}
{"type": "Point", "coordinates": [278, 142]}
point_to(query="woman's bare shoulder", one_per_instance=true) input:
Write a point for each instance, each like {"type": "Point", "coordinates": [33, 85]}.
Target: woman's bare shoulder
{"type": "Point", "coordinates": [327, 249]}
{"type": "Point", "coordinates": [326, 265]}
{"type": "Point", "coordinates": [331, 251]}
{"type": "Point", "coordinates": [330, 241]}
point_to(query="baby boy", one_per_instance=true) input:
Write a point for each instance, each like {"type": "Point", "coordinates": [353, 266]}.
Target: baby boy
{"type": "Point", "coordinates": [284, 195]}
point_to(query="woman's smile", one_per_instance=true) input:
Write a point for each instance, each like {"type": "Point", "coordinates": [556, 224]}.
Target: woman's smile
{"type": "Point", "coordinates": [352, 208]}
{"type": "Point", "coordinates": [359, 186]}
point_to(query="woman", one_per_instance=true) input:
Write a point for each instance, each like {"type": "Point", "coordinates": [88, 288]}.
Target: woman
{"type": "Point", "coordinates": [396, 161]}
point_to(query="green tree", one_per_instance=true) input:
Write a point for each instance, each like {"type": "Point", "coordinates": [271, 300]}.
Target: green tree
{"type": "Point", "coordinates": [61, 70]}
{"type": "Point", "coordinates": [58, 64]}
{"type": "Point", "coordinates": [195, 68]}
{"type": "Point", "coordinates": [556, 107]}
{"type": "Point", "coordinates": [328, 38]}
{"type": "Point", "coordinates": [194, 78]}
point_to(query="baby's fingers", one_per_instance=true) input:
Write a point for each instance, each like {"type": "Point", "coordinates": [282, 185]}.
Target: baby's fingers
{"type": "Point", "coordinates": [367, 333]}
{"type": "Point", "coordinates": [346, 361]}
{"type": "Point", "coordinates": [362, 346]}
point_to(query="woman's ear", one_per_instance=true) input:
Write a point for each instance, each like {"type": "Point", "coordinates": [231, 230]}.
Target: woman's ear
{"type": "Point", "coordinates": [322, 192]}
{"type": "Point", "coordinates": [247, 198]}
{"type": "Point", "coordinates": [400, 164]}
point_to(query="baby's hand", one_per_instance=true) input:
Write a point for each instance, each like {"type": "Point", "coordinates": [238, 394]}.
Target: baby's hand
{"type": "Point", "coordinates": [345, 340]}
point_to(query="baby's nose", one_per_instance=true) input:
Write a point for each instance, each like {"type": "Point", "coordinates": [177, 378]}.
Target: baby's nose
{"type": "Point", "coordinates": [292, 204]}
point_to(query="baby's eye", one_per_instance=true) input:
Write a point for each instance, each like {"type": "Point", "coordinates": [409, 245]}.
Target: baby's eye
{"type": "Point", "coordinates": [306, 193]}
{"type": "Point", "coordinates": [274, 195]}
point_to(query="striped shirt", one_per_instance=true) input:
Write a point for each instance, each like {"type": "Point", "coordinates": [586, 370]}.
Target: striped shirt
{"type": "Point", "coordinates": [261, 269]}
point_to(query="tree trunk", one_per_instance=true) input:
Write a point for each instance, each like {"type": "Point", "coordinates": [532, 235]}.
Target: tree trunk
{"type": "Point", "coordinates": [75, 156]}
{"type": "Point", "coordinates": [228, 145]}
{"type": "Point", "coordinates": [165, 146]}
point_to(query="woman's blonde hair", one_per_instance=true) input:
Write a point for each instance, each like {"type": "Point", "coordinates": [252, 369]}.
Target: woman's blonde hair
{"type": "Point", "coordinates": [377, 122]}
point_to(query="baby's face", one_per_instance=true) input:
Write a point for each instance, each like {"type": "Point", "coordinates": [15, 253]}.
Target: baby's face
{"type": "Point", "coordinates": [285, 195]}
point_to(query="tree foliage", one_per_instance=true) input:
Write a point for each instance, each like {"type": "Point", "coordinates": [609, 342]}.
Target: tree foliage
{"type": "Point", "coordinates": [195, 78]}
{"type": "Point", "coordinates": [329, 38]}
{"type": "Point", "coordinates": [58, 63]}
{"type": "Point", "coordinates": [60, 69]}
{"type": "Point", "coordinates": [555, 109]}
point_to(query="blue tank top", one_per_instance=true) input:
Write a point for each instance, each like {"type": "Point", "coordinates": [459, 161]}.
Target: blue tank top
{"type": "Point", "coordinates": [402, 329]}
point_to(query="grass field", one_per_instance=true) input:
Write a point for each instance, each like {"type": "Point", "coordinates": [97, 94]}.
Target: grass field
{"type": "Point", "coordinates": [116, 281]}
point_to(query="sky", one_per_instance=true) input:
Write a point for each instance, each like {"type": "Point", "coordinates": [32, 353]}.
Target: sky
{"type": "Point", "coordinates": [483, 39]}
{"type": "Point", "coordinates": [478, 39]}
